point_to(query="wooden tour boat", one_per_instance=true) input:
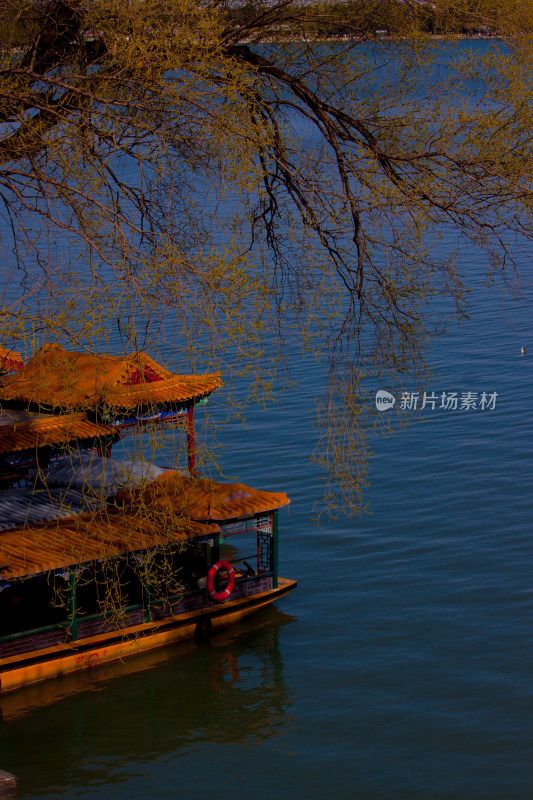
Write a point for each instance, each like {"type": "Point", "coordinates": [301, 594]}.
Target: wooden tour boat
{"type": "Point", "coordinates": [99, 558]}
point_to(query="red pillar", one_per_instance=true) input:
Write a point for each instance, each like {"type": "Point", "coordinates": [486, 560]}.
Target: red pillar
{"type": "Point", "coordinates": [191, 453]}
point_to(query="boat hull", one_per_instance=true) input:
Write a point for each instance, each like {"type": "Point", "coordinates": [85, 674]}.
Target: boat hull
{"type": "Point", "coordinates": [37, 665]}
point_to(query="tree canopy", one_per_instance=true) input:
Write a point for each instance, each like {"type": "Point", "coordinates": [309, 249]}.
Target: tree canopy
{"type": "Point", "coordinates": [238, 173]}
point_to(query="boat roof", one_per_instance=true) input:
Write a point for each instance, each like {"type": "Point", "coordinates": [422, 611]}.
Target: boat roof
{"type": "Point", "coordinates": [77, 484]}
{"type": "Point", "coordinates": [202, 499]}
{"type": "Point", "coordinates": [99, 535]}
{"type": "Point", "coordinates": [88, 508]}
{"type": "Point", "coordinates": [57, 378]}
{"type": "Point", "coordinates": [24, 430]}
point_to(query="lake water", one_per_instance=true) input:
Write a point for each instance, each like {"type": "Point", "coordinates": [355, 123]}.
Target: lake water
{"type": "Point", "coordinates": [400, 668]}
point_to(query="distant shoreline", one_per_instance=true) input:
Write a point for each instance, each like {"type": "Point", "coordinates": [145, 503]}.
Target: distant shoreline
{"type": "Point", "coordinates": [354, 39]}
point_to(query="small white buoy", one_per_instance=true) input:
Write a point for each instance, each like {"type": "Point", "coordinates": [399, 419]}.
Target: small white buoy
{"type": "Point", "coordinates": [523, 350]}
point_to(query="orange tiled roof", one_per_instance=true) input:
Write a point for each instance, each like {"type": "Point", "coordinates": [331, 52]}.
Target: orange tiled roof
{"type": "Point", "coordinates": [55, 377]}
{"type": "Point", "coordinates": [204, 500]}
{"type": "Point", "coordinates": [90, 536]}
{"type": "Point", "coordinates": [177, 389]}
{"type": "Point", "coordinates": [172, 508]}
{"type": "Point", "coordinates": [49, 430]}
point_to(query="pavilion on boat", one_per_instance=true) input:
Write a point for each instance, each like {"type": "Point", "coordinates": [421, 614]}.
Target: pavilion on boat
{"type": "Point", "coordinates": [59, 401]}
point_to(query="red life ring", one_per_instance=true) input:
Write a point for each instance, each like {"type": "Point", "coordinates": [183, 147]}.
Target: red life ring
{"type": "Point", "coordinates": [219, 597]}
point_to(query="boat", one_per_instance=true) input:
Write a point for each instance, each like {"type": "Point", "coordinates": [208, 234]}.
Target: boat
{"type": "Point", "coordinates": [101, 558]}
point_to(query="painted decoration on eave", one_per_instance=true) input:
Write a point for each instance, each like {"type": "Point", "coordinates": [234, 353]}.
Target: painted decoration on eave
{"type": "Point", "coordinates": [10, 361]}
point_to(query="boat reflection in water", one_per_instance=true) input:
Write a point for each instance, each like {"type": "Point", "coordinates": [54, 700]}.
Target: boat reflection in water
{"type": "Point", "coordinates": [90, 729]}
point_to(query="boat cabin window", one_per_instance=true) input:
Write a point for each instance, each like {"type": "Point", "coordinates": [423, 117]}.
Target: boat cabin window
{"type": "Point", "coordinates": [247, 544]}
{"type": "Point", "coordinates": [191, 563]}
{"type": "Point", "coordinates": [104, 586]}
{"type": "Point", "coordinates": [30, 603]}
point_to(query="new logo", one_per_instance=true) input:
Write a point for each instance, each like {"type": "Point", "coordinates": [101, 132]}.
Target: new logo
{"type": "Point", "coordinates": [384, 400]}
